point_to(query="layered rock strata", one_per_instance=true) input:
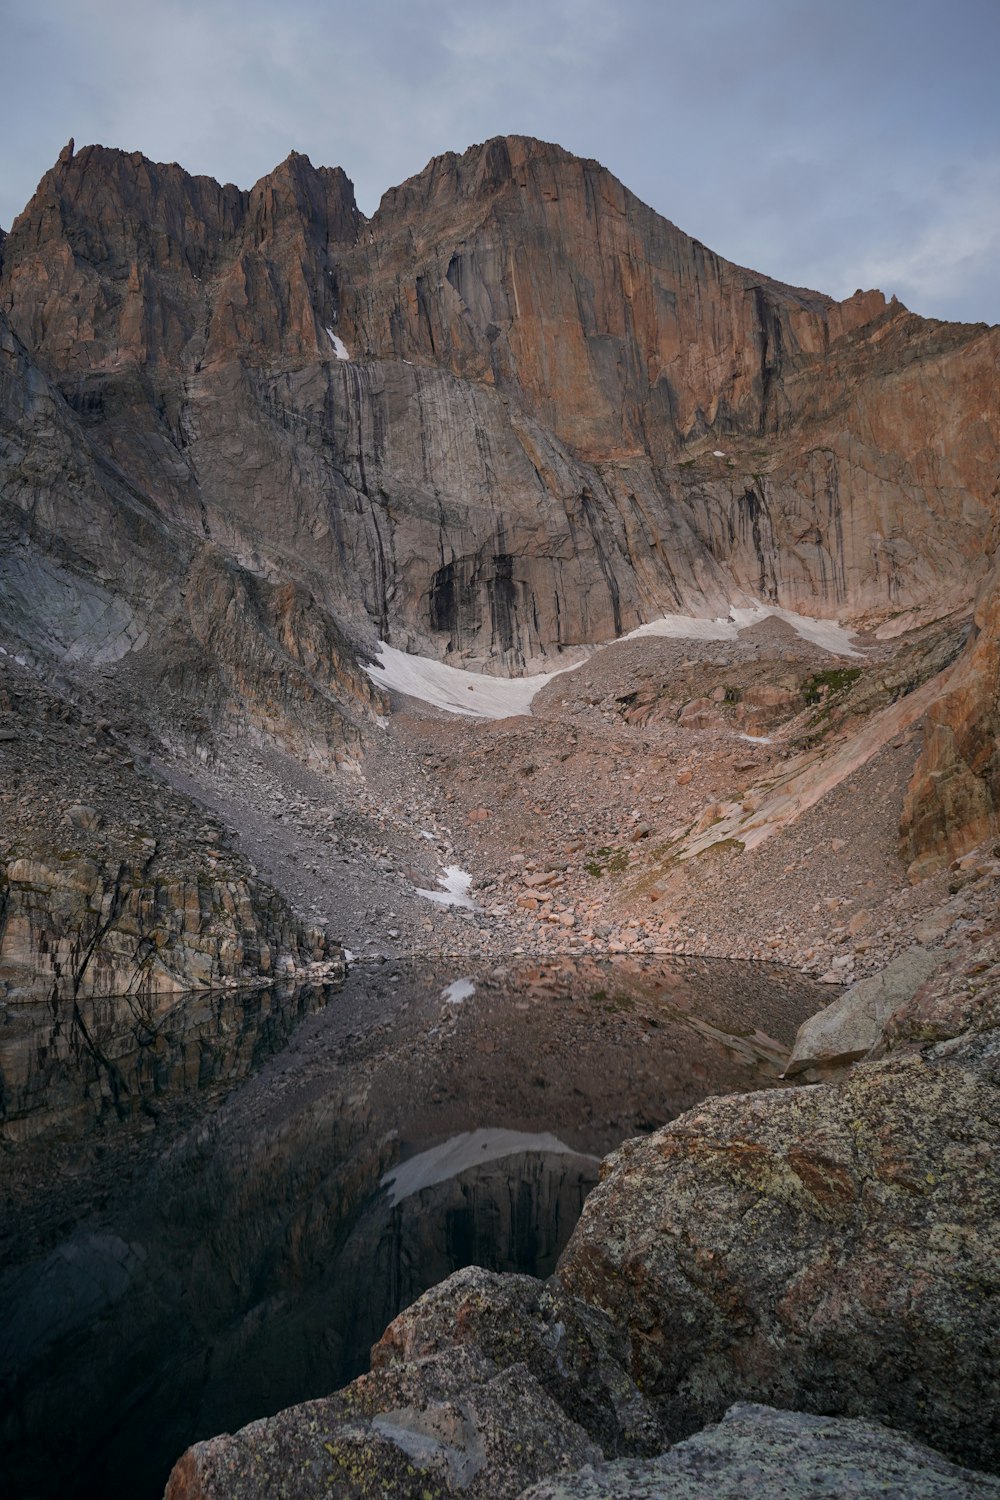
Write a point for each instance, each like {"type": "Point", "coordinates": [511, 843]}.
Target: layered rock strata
{"type": "Point", "coordinates": [111, 883]}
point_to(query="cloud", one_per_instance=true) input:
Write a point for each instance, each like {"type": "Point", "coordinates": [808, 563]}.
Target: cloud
{"type": "Point", "coordinates": [954, 250]}
{"type": "Point", "coordinates": [830, 144]}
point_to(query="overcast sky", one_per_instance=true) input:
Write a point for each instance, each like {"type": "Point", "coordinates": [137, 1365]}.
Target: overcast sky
{"type": "Point", "coordinates": [831, 143]}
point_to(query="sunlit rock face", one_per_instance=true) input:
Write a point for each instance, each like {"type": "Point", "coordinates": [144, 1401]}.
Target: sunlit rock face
{"type": "Point", "coordinates": [514, 411]}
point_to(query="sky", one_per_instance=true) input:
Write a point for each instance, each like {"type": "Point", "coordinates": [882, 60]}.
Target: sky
{"type": "Point", "coordinates": [829, 143]}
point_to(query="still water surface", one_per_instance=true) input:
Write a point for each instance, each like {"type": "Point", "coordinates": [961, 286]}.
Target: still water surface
{"type": "Point", "coordinates": [212, 1210]}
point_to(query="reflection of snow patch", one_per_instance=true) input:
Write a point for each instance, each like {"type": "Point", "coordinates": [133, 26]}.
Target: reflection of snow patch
{"type": "Point", "coordinates": [455, 887]}
{"type": "Point", "coordinates": [339, 347]}
{"type": "Point", "coordinates": [457, 692]}
{"type": "Point", "coordinates": [458, 990]}
{"type": "Point", "coordinates": [471, 1149]}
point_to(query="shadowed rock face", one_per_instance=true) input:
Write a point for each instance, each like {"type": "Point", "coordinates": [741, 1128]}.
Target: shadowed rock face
{"type": "Point", "coordinates": [100, 566]}
{"type": "Point", "coordinates": [518, 456]}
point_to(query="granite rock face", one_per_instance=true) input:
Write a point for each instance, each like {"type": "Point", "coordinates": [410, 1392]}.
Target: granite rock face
{"type": "Point", "coordinates": [74, 928]}
{"type": "Point", "coordinates": [100, 570]}
{"type": "Point", "coordinates": [486, 421]}
{"type": "Point", "coordinates": [953, 800]}
{"type": "Point", "coordinates": [852, 1024]}
{"type": "Point", "coordinates": [756, 1450]}
{"type": "Point", "coordinates": [826, 1247]}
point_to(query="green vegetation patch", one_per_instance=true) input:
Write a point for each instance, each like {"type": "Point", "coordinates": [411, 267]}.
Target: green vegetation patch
{"type": "Point", "coordinates": [825, 684]}
{"type": "Point", "coordinates": [607, 861]}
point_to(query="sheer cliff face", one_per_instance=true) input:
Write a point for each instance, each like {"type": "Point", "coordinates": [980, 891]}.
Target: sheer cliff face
{"type": "Point", "coordinates": [521, 450]}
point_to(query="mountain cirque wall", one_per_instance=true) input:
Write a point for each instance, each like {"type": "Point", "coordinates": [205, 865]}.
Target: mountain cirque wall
{"type": "Point", "coordinates": [519, 453]}
{"type": "Point", "coordinates": [98, 572]}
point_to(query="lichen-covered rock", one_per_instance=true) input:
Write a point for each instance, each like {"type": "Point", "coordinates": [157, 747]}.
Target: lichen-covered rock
{"type": "Point", "coordinates": [757, 1451]}
{"type": "Point", "coordinates": [833, 1248]}
{"type": "Point", "coordinates": [573, 1351]}
{"type": "Point", "coordinates": [448, 1425]}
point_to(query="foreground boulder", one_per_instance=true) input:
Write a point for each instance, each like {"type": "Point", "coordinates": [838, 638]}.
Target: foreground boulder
{"type": "Point", "coordinates": [453, 1424]}
{"type": "Point", "coordinates": [828, 1248]}
{"type": "Point", "coordinates": [844, 1031]}
{"type": "Point", "coordinates": [756, 1450]}
{"type": "Point", "coordinates": [485, 1385]}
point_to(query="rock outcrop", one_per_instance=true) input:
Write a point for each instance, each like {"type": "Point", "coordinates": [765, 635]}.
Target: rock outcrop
{"type": "Point", "coordinates": [513, 412]}
{"type": "Point", "coordinates": [111, 883]}
{"type": "Point", "coordinates": [848, 1028]}
{"type": "Point", "coordinates": [953, 800]}
{"type": "Point", "coordinates": [756, 1450]}
{"type": "Point", "coordinates": [834, 1248]}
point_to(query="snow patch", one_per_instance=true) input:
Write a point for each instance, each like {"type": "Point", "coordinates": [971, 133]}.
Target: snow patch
{"type": "Point", "coordinates": [686, 628]}
{"type": "Point", "coordinates": [473, 1148]}
{"type": "Point", "coordinates": [348, 956]}
{"type": "Point", "coordinates": [455, 887]}
{"type": "Point", "coordinates": [339, 347]}
{"type": "Point", "coordinates": [457, 692]}
{"type": "Point", "coordinates": [481, 697]}
{"type": "Point", "coordinates": [717, 453]}
{"type": "Point", "coordinates": [755, 739]}
{"type": "Point", "coordinates": [457, 991]}
{"type": "Point", "coordinates": [829, 635]}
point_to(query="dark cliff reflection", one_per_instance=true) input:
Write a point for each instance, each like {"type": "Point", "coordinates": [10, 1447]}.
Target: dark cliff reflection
{"type": "Point", "coordinates": [70, 1066]}
{"type": "Point", "coordinates": [166, 1285]}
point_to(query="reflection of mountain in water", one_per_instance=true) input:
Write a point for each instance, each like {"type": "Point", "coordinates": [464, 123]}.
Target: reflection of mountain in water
{"type": "Point", "coordinates": [505, 1199]}
{"type": "Point", "coordinates": [254, 1260]}
{"type": "Point", "coordinates": [67, 1064]}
